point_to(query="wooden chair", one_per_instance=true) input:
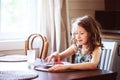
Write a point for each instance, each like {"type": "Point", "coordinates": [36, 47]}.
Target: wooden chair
{"type": "Point", "coordinates": [107, 55]}
{"type": "Point", "coordinates": [38, 43]}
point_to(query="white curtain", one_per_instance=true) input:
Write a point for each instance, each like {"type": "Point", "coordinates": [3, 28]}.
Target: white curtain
{"type": "Point", "coordinates": [52, 25]}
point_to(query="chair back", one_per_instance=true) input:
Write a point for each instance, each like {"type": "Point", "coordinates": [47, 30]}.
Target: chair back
{"type": "Point", "coordinates": [107, 55]}
{"type": "Point", "coordinates": [38, 43]}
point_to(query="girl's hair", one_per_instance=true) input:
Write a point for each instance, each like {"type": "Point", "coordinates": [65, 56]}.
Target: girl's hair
{"type": "Point", "coordinates": [93, 29]}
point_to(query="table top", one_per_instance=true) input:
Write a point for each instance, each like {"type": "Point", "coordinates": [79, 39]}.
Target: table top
{"type": "Point", "coordinates": [78, 75]}
{"type": "Point", "coordinates": [66, 75]}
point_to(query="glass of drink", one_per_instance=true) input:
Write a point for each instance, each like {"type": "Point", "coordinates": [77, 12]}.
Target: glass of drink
{"type": "Point", "coordinates": [31, 58]}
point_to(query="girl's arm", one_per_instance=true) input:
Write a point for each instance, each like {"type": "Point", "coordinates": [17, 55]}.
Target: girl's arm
{"type": "Point", "coordinates": [81, 66]}
{"type": "Point", "coordinates": [88, 65]}
{"type": "Point", "coordinates": [71, 50]}
{"type": "Point", "coordinates": [59, 56]}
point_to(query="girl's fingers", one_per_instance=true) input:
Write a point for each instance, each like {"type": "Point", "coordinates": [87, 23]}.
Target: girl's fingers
{"type": "Point", "coordinates": [55, 55]}
{"type": "Point", "coordinates": [54, 68]}
{"type": "Point", "coordinates": [49, 58]}
{"type": "Point", "coordinates": [58, 58]}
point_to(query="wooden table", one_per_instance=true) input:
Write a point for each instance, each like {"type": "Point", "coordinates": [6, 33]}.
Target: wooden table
{"type": "Point", "coordinates": [78, 75]}
{"type": "Point", "coordinates": [67, 75]}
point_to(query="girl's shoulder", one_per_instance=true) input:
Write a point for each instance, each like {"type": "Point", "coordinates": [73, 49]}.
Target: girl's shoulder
{"type": "Point", "coordinates": [97, 50]}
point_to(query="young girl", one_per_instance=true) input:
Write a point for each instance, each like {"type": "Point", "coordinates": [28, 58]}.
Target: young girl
{"type": "Point", "coordinates": [86, 46]}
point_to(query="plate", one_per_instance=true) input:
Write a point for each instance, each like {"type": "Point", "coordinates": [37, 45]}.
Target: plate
{"type": "Point", "coordinates": [39, 68]}
{"type": "Point", "coordinates": [1, 55]}
{"type": "Point", "coordinates": [45, 67]}
{"type": "Point", "coordinates": [13, 58]}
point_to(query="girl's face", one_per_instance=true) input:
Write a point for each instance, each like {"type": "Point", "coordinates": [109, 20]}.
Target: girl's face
{"type": "Point", "coordinates": [81, 35]}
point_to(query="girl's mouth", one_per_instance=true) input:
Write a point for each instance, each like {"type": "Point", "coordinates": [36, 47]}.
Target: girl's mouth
{"type": "Point", "coordinates": [79, 40]}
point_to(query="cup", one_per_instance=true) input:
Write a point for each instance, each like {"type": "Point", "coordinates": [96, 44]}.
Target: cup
{"type": "Point", "coordinates": [31, 58]}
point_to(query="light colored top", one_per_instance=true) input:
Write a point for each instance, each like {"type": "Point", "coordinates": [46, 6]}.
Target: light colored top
{"type": "Point", "coordinates": [80, 58]}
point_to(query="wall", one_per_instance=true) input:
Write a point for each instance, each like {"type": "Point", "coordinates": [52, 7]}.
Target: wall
{"type": "Point", "coordinates": [78, 8]}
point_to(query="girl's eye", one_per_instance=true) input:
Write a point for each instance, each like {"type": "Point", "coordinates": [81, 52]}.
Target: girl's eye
{"type": "Point", "coordinates": [81, 33]}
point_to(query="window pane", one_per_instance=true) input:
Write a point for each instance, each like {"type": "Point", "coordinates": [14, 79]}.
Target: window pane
{"type": "Point", "coordinates": [12, 16]}
{"type": "Point", "coordinates": [17, 16]}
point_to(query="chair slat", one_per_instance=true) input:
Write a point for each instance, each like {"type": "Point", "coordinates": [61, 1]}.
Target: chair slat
{"type": "Point", "coordinates": [107, 55]}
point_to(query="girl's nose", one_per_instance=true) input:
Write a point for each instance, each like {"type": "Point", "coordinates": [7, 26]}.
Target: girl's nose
{"type": "Point", "coordinates": [78, 36]}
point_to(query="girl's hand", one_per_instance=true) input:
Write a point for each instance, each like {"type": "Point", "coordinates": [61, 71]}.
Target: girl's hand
{"type": "Point", "coordinates": [55, 56]}
{"type": "Point", "coordinates": [58, 67]}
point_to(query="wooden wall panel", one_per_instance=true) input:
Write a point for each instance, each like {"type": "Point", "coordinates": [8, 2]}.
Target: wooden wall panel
{"type": "Point", "coordinates": [77, 8]}
{"type": "Point", "coordinates": [99, 5]}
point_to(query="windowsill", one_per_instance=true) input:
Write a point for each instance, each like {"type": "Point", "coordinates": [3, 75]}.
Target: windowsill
{"type": "Point", "coordinates": [11, 44]}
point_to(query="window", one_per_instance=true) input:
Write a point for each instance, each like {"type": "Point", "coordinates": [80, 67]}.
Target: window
{"type": "Point", "coordinates": [17, 18]}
